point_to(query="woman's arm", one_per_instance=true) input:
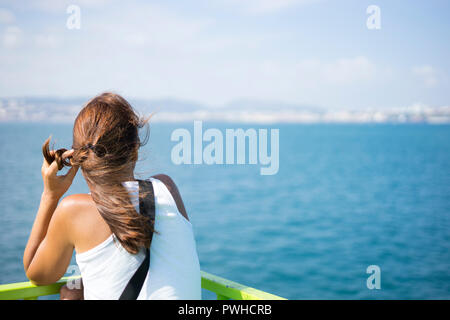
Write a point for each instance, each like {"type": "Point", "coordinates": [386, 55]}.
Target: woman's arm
{"type": "Point", "coordinates": [48, 251]}
{"type": "Point", "coordinates": [40, 227]}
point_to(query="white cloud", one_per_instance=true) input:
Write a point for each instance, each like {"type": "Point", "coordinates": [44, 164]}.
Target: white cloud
{"type": "Point", "coordinates": [265, 6]}
{"type": "Point", "coordinates": [12, 37]}
{"type": "Point", "coordinates": [152, 26]}
{"type": "Point", "coordinates": [46, 41]}
{"type": "Point", "coordinates": [427, 74]}
{"type": "Point", "coordinates": [302, 81]}
{"type": "Point", "coordinates": [6, 16]}
{"type": "Point", "coordinates": [340, 72]}
{"type": "Point", "coordinates": [56, 5]}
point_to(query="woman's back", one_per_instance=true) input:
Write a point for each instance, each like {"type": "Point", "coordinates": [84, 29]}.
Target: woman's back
{"type": "Point", "coordinates": [174, 266]}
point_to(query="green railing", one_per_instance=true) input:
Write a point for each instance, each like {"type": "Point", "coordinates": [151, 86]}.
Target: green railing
{"type": "Point", "coordinates": [223, 288]}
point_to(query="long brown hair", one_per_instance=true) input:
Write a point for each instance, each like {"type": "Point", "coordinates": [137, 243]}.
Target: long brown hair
{"type": "Point", "coordinates": [106, 142]}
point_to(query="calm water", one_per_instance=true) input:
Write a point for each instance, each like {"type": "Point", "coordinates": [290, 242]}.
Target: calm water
{"type": "Point", "coordinates": [345, 197]}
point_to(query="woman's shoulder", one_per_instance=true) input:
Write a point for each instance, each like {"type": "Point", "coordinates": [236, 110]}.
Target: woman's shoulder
{"type": "Point", "coordinates": [173, 189]}
{"type": "Point", "coordinates": [78, 209]}
{"type": "Point", "coordinates": [74, 202]}
{"type": "Point", "coordinates": [85, 224]}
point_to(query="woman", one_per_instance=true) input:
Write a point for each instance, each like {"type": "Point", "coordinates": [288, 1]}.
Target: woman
{"type": "Point", "coordinates": [105, 227]}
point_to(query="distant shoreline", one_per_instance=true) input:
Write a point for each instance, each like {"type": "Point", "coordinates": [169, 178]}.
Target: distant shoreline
{"type": "Point", "coordinates": [244, 123]}
{"type": "Point", "coordinates": [177, 111]}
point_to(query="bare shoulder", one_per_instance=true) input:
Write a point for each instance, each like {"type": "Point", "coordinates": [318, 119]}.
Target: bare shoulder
{"type": "Point", "coordinates": [172, 187]}
{"type": "Point", "coordinates": [84, 223]}
{"type": "Point", "coordinates": [78, 199]}
{"type": "Point", "coordinates": [76, 203]}
{"type": "Point", "coordinates": [75, 209]}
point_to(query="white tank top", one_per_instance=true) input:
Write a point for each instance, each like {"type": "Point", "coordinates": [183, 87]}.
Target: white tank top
{"type": "Point", "coordinates": [174, 267]}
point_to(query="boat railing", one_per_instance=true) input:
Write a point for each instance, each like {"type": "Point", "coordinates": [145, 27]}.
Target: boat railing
{"type": "Point", "coordinates": [224, 289]}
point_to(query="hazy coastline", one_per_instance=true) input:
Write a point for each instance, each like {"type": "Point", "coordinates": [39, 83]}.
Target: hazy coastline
{"type": "Point", "coordinates": [172, 111]}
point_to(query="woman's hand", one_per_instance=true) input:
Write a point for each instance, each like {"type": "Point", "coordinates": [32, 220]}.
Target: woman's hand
{"type": "Point", "coordinates": [55, 186]}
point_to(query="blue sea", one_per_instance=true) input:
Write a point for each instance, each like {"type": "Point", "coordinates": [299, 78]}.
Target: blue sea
{"type": "Point", "coordinates": [345, 197]}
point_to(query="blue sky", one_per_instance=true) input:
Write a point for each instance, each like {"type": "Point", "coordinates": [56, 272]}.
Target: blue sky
{"type": "Point", "coordinates": [312, 52]}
